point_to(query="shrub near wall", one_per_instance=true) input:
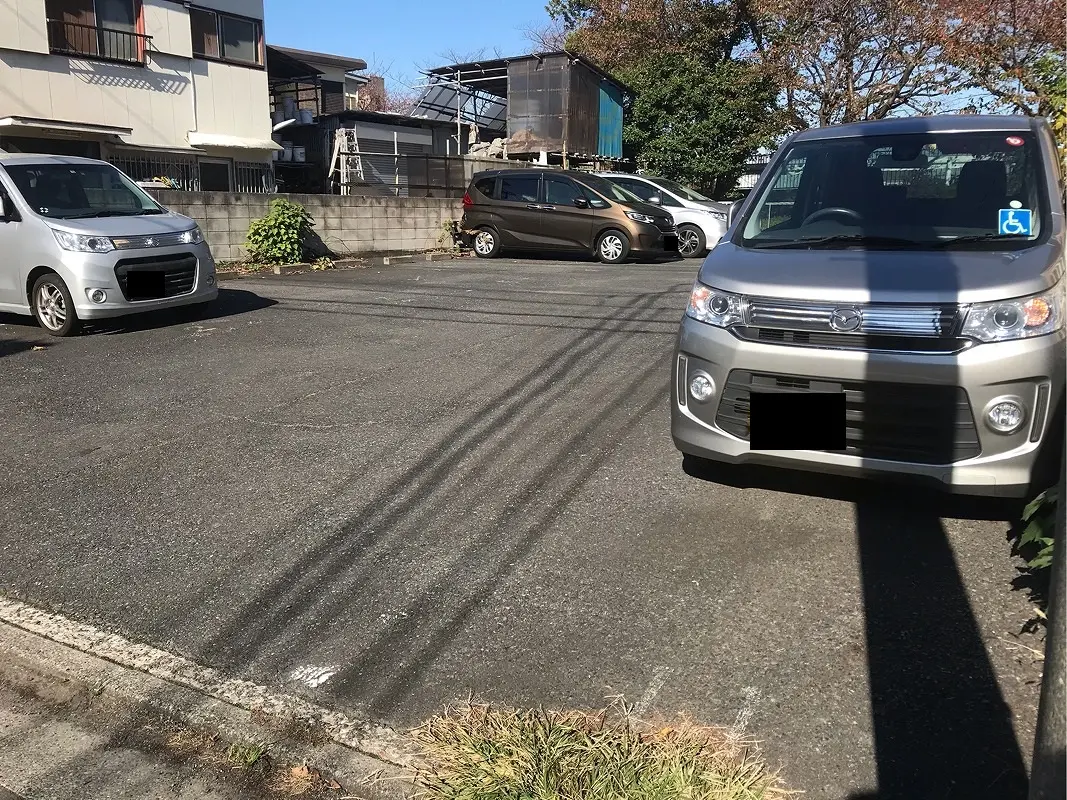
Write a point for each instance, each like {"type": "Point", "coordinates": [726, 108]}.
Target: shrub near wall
{"type": "Point", "coordinates": [281, 236]}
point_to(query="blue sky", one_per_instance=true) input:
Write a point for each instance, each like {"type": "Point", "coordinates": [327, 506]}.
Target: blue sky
{"type": "Point", "coordinates": [395, 37]}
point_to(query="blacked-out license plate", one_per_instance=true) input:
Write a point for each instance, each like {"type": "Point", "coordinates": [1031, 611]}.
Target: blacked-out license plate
{"type": "Point", "coordinates": [670, 243]}
{"type": "Point", "coordinates": [797, 421]}
{"type": "Point", "coordinates": [145, 284]}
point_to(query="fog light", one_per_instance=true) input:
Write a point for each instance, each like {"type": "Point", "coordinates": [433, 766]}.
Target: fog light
{"type": "Point", "coordinates": [701, 387]}
{"type": "Point", "coordinates": [210, 280]}
{"type": "Point", "coordinates": [97, 295]}
{"type": "Point", "coordinates": [1005, 416]}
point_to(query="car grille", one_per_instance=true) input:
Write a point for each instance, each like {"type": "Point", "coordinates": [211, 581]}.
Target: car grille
{"type": "Point", "coordinates": [179, 274]}
{"type": "Point", "coordinates": [852, 341]}
{"type": "Point", "coordinates": [664, 224]}
{"type": "Point", "coordinates": [147, 242]}
{"type": "Point", "coordinates": [874, 318]}
{"type": "Point", "coordinates": [923, 424]}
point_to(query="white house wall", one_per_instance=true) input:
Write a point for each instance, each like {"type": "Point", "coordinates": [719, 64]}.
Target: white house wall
{"type": "Point", "coordinates": [161, 102]}
{"type": "Point", "coordinates": [168, 25]}
{"type": "Point", "coordinates": [22, 26]}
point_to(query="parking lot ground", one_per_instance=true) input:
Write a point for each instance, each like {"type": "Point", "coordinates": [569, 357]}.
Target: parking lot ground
{"type": "Point", "coordinates": [384, 489]}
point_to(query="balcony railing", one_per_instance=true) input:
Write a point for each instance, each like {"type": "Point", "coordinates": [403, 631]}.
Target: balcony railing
{"type": "Point", "coordinates": [91, 41]}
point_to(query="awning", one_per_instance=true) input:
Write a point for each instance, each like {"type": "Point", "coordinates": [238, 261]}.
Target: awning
{"type": "Point", "coordinates": [55, 125]}
{"type": "Point", "coordinates": [197, 139]}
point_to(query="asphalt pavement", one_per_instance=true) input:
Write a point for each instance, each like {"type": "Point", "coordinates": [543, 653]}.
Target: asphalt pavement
{"type": "Point", "coordinates": [388, 488]}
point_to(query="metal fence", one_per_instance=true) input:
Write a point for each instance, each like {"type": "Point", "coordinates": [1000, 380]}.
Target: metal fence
{"type": "Point", "coordinates": [107, 44]}
{"type": "Point", "coordinates": [183, 172]}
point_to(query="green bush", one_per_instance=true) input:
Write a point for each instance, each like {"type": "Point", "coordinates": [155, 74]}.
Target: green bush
{"type": "Point", "coordinates": [281, 236]}
{"type": "Point", "coordinates": [1036, 540]}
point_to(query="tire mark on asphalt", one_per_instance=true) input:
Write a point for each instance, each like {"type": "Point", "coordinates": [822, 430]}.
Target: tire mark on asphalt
{"type": "Point", "coordinates": [269, 614]}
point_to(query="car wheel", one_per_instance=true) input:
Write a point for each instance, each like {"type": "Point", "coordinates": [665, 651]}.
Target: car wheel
{"type": "Point", "coordinates": [486, 243]}
{"type": "Point", "coordinates": [53, 307]}
{"type": "Point", "coordinates": [612, 247]}
{"type": "Point", "coordinates": [691, 242]}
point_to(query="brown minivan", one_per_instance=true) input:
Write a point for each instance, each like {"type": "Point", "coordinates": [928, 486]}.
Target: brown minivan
{"type": "Point", "coordinates": [534, 209]}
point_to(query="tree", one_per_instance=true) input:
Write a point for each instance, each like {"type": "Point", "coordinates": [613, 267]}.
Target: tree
{"type": "Point", "coordinates": [844, 61]}
{"type": "Point", "coordinates": [698, 123]}
{"type": "Point", "coordinates": [1013, 51]}
{"type": "Point", "coordinates": [697, 112]}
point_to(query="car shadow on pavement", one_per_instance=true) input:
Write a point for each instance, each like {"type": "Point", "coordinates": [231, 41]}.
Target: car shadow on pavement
{"type": "Point", "coordinates": [230, 303]}
{"type": "Point", "coordinates": [941, 726]}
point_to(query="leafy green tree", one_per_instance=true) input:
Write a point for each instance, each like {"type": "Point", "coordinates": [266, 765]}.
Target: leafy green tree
{"type": "Point", "coordinates": [698, 123]}
{"type": "Point", "coordinates": [700, 108]}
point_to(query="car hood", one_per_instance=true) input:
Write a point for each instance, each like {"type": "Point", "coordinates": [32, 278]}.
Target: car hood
{"type": "Point", "coordinates": [891, 276]}
{"type": "Point", "coordinates": [144, 225]}
{"type": "Point", "coordinates": [714, 206]}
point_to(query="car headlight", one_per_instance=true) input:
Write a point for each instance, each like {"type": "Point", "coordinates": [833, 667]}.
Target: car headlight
{"type": "Point", "coordinates": [720, 309]}
{"type": "Point", "coordinates": [719, 215]}
{"type": "Point", "coordinates": [639, 217]}
{"type": "Point", "coordinates": [1015, 319]}
{"type": "Point", "coordinates": [192, 236]}
{"type": "Point", "coordinates": [83, 243]}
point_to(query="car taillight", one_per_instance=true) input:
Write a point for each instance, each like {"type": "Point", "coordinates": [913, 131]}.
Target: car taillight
{"type": "Point", "coordinates": [467, 202]}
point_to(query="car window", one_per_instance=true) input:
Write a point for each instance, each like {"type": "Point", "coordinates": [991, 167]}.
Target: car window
{"type": "Point", "coordinates": [561, 192]}
{"type": "Point", "coordinates": [519, 188]}
{"type": "Point", "coordinates": [642, 190]}
{"type": "Point", "coordinates": [914, 190]}
{"type": "Point", "coordinates": [66, 191]}
{"type": "Point", "coordinates": [486, 186]}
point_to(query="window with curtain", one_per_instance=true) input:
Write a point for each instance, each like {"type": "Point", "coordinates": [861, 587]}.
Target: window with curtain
{"type": "Point", "coordinates": [225, 37]}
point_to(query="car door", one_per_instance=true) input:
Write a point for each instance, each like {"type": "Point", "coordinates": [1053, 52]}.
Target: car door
{"type": "Point", "coordinates": [564, 224]}
{"type": "Point", "coordinates": [12, 234]}
{"type": "Point", "coordinates": [518, 208]}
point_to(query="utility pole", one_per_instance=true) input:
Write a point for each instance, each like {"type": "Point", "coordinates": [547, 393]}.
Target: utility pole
{"type": "Point", "coordinates": [1048, 778]}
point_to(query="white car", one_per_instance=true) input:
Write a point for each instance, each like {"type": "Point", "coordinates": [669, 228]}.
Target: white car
{"type": "Point", "coordinates": [701, 221]}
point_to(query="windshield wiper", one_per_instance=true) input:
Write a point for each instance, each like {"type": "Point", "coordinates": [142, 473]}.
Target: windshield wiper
{"type": "Point", "coordinates": [841, 238]}
{"type": "Point", "coordinates": [104, 213]}
{"type": "Point", "coordinates": [980, 237]}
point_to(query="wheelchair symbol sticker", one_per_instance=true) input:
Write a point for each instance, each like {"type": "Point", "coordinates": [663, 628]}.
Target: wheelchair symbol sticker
{"type": "Point", "coordinates": [1014, 222]}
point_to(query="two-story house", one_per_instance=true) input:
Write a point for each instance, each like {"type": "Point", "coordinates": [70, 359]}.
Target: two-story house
{"type": "Point", "coordinates": [161, 88]}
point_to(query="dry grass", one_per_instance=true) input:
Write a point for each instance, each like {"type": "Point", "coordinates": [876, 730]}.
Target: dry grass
{"type": "Point", "coordinates": [481, 752]}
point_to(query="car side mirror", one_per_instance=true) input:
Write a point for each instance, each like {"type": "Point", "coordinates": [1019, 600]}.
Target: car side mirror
{"type": "Point", "coordinates": [735, 206]}
{"type": "Point", "coordinates": [655, 200]}
{"type": "Point", "coordinates": [8, 212]}
{"type": "Point", "coordinates": [581, 202]}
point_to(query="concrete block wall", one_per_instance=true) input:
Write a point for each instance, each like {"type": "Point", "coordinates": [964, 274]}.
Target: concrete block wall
{"type": "Point", "coordinates": [346, 225]}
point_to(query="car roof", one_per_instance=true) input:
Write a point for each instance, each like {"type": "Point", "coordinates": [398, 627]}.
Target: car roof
{"type": "Point", "coordinates": [570, 173]}
{"type": "Point", "coordinates": [44, 158]}
{"type": "Point", "coordinates": [938, 123]}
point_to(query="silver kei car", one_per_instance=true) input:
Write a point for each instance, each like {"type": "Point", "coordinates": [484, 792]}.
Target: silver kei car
{"type": "Point", "coordinates": [888, 299]}
{"type": "Point", "coordinates": [81, 241]}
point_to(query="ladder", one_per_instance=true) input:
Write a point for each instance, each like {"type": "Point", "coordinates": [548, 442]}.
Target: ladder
{"type": "Point", "coordinates": [347, 158]}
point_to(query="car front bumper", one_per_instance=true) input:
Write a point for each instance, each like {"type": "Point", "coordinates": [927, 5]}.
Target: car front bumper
{"type": "Point", "coordinates": [1026, 370]}
{"type": "Point", "coordinates": [86, 272]}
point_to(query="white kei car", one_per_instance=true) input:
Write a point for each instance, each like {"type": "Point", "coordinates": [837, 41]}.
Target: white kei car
{"type": "Point", "coordinates": [701, 221]}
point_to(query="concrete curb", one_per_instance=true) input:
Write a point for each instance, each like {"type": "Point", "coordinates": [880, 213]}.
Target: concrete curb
{"type": "Point", "coordinates": [40, 648]}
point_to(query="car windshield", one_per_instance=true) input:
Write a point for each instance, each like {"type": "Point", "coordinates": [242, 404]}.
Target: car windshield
{"type": "Point", "coordinates": [75, 191]}
{"type": "Point", "coordinates": [921, 191]}
{"type": "Point", "coordinates": [610, 190]}
{"type": "Point", "coordinates": [682, 191]}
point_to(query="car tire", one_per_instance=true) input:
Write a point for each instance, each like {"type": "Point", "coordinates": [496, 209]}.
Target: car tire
{"type": "Point", "coordinates": [486, 243]}
{"type": "Point", "coordinates": [691, 242]}
{"type": "Point", "coordinates": [612, 247]}
{"type": "Point", "coordinates": [53, 306]}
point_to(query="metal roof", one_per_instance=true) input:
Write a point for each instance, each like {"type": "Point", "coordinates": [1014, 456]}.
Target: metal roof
{"type": "Point", "coordinates": [328, 59]}
{"type": "Point", "coordinates": [490, 64]}
{"type": "Point", "coordinates": [938, 123]}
